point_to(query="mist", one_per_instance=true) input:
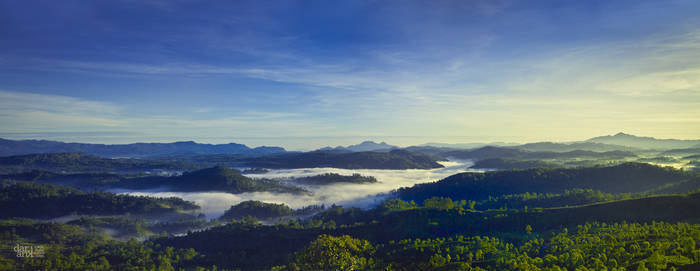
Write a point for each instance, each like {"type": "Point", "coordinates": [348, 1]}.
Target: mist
{"type": "Point", "coordinates": [346, 194]}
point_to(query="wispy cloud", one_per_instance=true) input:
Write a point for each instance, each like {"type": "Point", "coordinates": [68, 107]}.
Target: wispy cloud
{"type": "Point", "coordinates": [63, 117]}
{"type": "Point", "coordinates": [438, 68]}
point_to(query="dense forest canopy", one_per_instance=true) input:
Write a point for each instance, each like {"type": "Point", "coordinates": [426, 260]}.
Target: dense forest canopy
{"type": "Point", "coordinates": [332, 178]}
{"type": "Point", "coordinates": [627, 177]}
{"type": "Point", "coordinates": [394, 159]}
{"type": "Point", "coordinates": [80, 162]}
{"type": "Point", "coordinates": [24, 199]}
{"type": "Point", "coordinates": [257, 209]}
{"type": "Point", "coordinates": [218, 178]}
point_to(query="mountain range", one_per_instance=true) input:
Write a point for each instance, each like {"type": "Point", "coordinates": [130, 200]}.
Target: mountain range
{"type": "Point", "coordinates": [19, 147]}
{"type": "Point", "coordinates": [617, 142]}
{"type": "Point", "coordinates": [362, 147]}
{"type": "Point", "coordinates": [468, 145]}
{"type": "Point", "coordinates": [645, 142]}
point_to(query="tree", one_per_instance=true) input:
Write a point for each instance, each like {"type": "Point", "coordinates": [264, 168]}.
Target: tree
{"type": "Point", "coordinates": [439, 203]}
{"type": "Point", "coordinates": [334, 253]}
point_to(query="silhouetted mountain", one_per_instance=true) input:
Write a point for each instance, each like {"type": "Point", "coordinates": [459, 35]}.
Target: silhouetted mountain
{"type": "Point", "coordinates": [644, 142]}
{"type": "Point", "coordinates": [19, 147]}
{"type": "Point", "coordinates": [370, 146]}
{"type": "Point", "coordinates": [217, 178]}
{"type": "Point", "coordinates": [362, 147]}
{"type": "Point", "coordinates": [80, 162]}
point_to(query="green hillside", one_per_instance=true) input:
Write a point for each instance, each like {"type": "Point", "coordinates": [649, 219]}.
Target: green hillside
{"type": "Point", "coordinates": [23, 199]}
{"type": "Point", "coordinates": [623, 178]}
{"type": "Point", "coordinates": [217, 178]}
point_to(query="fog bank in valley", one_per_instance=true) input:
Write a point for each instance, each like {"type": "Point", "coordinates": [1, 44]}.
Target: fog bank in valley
{"type": "Point", "coordinates": [349, 195]}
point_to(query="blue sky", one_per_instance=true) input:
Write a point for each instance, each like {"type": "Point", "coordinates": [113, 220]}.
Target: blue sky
{"type": "Point", "coordinates": [305, 74]}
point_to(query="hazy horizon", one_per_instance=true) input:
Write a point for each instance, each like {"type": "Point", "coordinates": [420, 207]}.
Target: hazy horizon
{"type": "Point", "coordinates": [313, 143]}
{"type": "Point", "coordinates": [289, 143]}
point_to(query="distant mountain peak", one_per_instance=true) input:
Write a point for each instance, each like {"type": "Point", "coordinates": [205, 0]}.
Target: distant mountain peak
{"type": "Point", "coordinates": [372, 142]}
{"type": "Point", "coordinates": [631, 136]}
{"type": "Point", "coordinates": [367, 145]}
{"type": "Point", "coordinates": [643, 142]}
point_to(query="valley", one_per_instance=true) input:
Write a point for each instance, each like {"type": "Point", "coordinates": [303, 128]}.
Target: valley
{"type": "Point", "coordinates": [513, 194]}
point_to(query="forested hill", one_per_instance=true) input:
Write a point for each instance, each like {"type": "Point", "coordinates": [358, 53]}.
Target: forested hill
{"type": "Point", "coordinates": [501, 163]}
{"type": "Point", "coordinates": [23, 199]}
{"type": "Point", "coordinates": [80, 162]}
{"type": "Point", "coordinates": [333, 178]}
{"type": "Point", "coordinates": [490, 152]}
{"type": "Point", "coordinates": [395, 159]}
{"type": "Point", "coordinates": [627, 177]}
{"type": "Point", "coordinates": [217, 178]}
{"type": "Point", "coordinates": [19, 147]}
{"type": "Point", "coordinates": [257, 209]}
{"type": "Point", "coordinates": [90, 181]}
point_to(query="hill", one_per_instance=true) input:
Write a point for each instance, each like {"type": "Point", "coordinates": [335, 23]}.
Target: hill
{"type": "Point", "coordinates": [490, 152]}
{"type": "Point", "coordinates": [566, 147]}
{"type": "Point", "coordinates": [20, 147]}
{"type": "Point", "coordinates": [500, 163]}
{"type": "Point", "coordinates": [623, 178]}
{"type": "Point", "coordinates": [687, 151]}
{"type": "Point", "coordinates": [82, 181]}
{"type": "Point", "coordinates": [23, 199]}
{"type": "Point", "coordinates": [332, 178]}
{"type": "Point", "coordinates": [467, 145]}
{"type": "Point", "coordinates": [217, 178]}
{"type": "Point", "coordinates": [80, 162]}
{"type": "Point", "coordinates": [487, 152]}
{"type": "Point", "coordinates": [395, 159]}
{"type": "Point", "coordinates": [362, 147]}
{"type": "Point", "coordinates": [257, 209]}
{"type": "Point", "coordinates": [644, 142]}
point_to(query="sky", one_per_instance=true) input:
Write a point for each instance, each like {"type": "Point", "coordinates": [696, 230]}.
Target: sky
{"type": "Point", "coordinates": [308, 74]}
